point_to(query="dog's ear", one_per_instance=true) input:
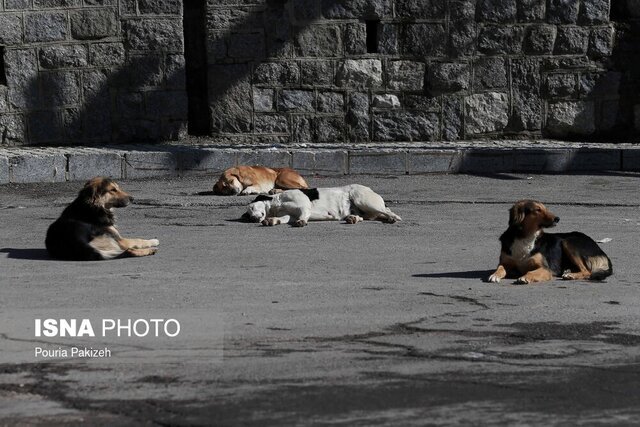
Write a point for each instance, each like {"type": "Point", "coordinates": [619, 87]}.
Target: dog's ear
{"type": "Point", "coordinates": [516, 215]}
{"type": "Point", "coordinates": [89, 192]}
{"type": "Point", "coordinates": [262, 198]}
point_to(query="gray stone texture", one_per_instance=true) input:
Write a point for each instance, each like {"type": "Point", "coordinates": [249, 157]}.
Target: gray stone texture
{"type": "Point", "coordinates": [405, 75]}
{"type": "Point", "coordinates": [563, 11]}
{"type": "Point", "coordinates": [448, 77]}
{"type": "Point", "coordinates": [319, 41]}
{"type": "Point", "coordinates": [405, 126]}
{"type": "Point", "coordinates": [45, 27]}
{"type": "Point", "coordinates": [569, 118]}
{"type": "Point", "coordinates": [356, 9]}
{"type": "Point", "coordinates": [296, 100]}
{"type": "Point", "coordinates": [63, 56]}
{"type": "Point", "coordinates": [38, 168]}
{"type": "Point", "coordinates": [499, 39]}
{"type": "Point", "coordinates": [420, 9]}
{"type": "Point", "coordinates": [425, 40]}
{"type": "Point", "coordinates": [87, 165]}
{"type": "Point", "coordinates": [355, 39]}
{"type": "Point", "coordinates": [526, 99]}
{"type": "Point", "coordinates": [572, 40]}
{"type": "Point", "coordinates": [359, 73]}
{"type": "Point", "coordinates": [486, 113]}
{"type": "Point", "coordinates": [540, 39]}
{"type": "Point", "coordinates": [490, 73]}
{"type": "Point", "coordinates": [4, 170]}
{"type": "Point", "coordinates": [94, 24]}
{"type": "Point", "coordinates": [145, 164]}
{"type": "Point", "coordinates": [154, 34]}
{"type": "Point", "coordinates": [501, 11]}
{"type": "Point", "coordinates": [10, 29]}
{"type": "Point", "coordinates": [364, 162]}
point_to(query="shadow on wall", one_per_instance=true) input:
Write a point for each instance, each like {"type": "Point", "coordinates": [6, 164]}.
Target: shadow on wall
{"type": "Point", "coordinates": [97, 91]}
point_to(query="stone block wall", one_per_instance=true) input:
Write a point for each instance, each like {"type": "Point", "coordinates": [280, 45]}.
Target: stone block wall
{"type": "Point", "coordinates": [304, 71]}
{"type": "Point", "coordinates": [321, 71]}
{"type": "Point", "coordinates": [91, 71]}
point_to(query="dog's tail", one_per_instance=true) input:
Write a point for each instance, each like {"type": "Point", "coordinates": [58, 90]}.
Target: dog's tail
{"type": "Point", "coordinates": [600, 267]}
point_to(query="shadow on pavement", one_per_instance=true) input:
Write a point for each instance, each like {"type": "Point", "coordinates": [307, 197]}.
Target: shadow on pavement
{"type": "Point", "coordinates": [473, 274]}
{"type": "Point", "coordinates": [31, 253]}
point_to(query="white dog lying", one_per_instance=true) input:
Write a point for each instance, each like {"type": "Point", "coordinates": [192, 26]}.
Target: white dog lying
{"type": "Point", "coordinates": [352, 203]}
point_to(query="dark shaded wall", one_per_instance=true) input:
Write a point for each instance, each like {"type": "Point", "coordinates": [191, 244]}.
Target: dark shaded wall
{"type": "Point", "coordinates": [91, 71]}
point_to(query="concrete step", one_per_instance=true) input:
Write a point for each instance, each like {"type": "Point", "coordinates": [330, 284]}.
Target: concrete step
{"type": "Point", "coordinates": [56, 164]}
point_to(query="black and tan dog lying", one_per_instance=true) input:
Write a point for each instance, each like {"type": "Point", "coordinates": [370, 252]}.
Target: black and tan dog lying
{"type": "Point", "coordinates": [86, 229]}
{"type": "Point", "coordinates": [257, 179]}
{"type": "Point", "coordinates": [530, 255]}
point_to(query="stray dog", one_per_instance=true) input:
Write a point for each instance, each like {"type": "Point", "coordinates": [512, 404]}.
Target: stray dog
{"type": "Point", "coordinates": [257, 179]}
{"type": "Point", "coordinates": [534, 256]}
{"type": "Point", "coordinates": [352, 203]}
{"type": "Point", "coordinates": [86, 229]}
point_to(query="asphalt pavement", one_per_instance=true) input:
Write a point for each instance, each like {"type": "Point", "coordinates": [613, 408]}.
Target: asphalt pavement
{"type": "Point", "coordinates": [365, 324]}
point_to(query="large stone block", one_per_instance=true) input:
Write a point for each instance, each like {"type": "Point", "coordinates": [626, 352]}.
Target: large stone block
{"type": "Point", "coordinates": [63, 56]}
{"type": "Point", "coordinates": [486, 161]}
{"type": "Point", "coordinates": [378, 162]}
{"type": "Point", "coordinates": [263, 100]}
{"type": "Point", "coordinates": [405, 75]}
{"type": "Point", "coordinates": [306, 10]}
{"type": "Point", "coordinates": [175, 71]}
{"type": "Point", "coordinates": [271, 158]}
{"type": "Point", "coordinates": [329, 129]}
{"type": "Point", "coordinates": [503, 11]}
{"type": "Point", "coordinates": [146, 164]}
{"type": "Point", "coordinates": [160, 7]}
{"type": "Point", "coordinates": [166, 104]}
{"type": "Point", "coordinates": [334, 162]}
{"type": "Point", "coordinates": [422, 102]}
{"type": "Point", "coordinates": [540, 39]}
{"type": "Point", "coordinates": [106, 54]}
{"type": "Point", "coordinates": [277, 73]}
{"type": "Point", "coordinates": [301, 129]}
{"type": "Point", "coordinates": [316, 73]}
{"type": "Point", "coordinates": [45, 27]}
{"type": "Point", "coordinates": [41, 167]}
{"type": "Point", "coordinates": [330, 102]}
{"type": "Point", "coordinates": [296, 100]}
{"type": "Point", "coordinates": [320, 41]}
{"type": "Point", "coordinates": [462, 28]}
{"type": "Point", "coordinates": [388, 38]}
{"type": "Point", "coordinates": [542, 161]}
{"type": "Point", "coordinates": [357, 117]}
{"type": "Point", "coordinates": [405, 126]}
{"type": "Point", "coordinates": [154, 34]}
{"type": "Point", "coordinates": [85, 165]}
{"type": "Point", "coordinates": [386, 102]}
{"type": "Point", "coordinates": [572, 40]}
{"type": "Point", "coordinates": [233, 18]}
{"type": "Point", "coordinates": [595, 11]}
{"type": "Point", "coordinates": [425, 40]}
{"type": "Point", "coordinates": [561, 85]}
{"type": "Point", "coordinates": [60, 88]}
{"type": "Point", "coordinates": [446, 77]}
{"type": "Point", "coordinates": [562, 11]}
{"type": "Point", "coordinates": [531, 10]}
{"type": "Point", "coordinates": [12, 129]}
{"type": "Point", "coordinates": [271, 124]}
{"type": "Point", "coordinates": [94, 24]}
{"type": "Point", "coordinates": [498, 39]}
{"type": "Point", "coordinates": [585, 159]}
{"type": "Point", "coordinates": [21, 68]}
{"type": "Point", "coordinates": [231, 97]}
{"type": "Point", "coordinates": [601, 40]}
{"type": "Point", "coordinates": [525, 92]}
{"type": "Point", "coordinates": [355, 39]}
{"type": "Point", "coordinates": [490, 73]}
{"type": "Point", "coordinates": [571, 118]}
{"type": "Point", "coordinates": [452, 118]}
{"type": "Point", "coordinates": [486, 113]}
{"type": "Point", "coordinates": [356, 9]}
{"type": "Point", "coordinates": [433, 161]}
{"type": "Point", "coordinates": [10, 29]}
{"type": "Point", "coordinates": [420, 9]}
{"type": "Point", "coordinates": [359, 73]}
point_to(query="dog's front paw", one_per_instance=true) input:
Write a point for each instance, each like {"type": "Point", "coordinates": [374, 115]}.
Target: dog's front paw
{"type": "Point", "coordinates": [270, 221]}
{"type": "Point", "coordinates": [521, 281]}
{"type": "Point", "coordinates": [275, 191]}
{"type": "Point", "coordinates": [568, 275]}
{"type": "Point", "coordinates": [494, 278]}
{"type": "Point", "coordinates": [154, 242]}
{"type": "Point", "coordinates": [300, 223]}
{"type": "Point", "coordinates": [353, 219]}
{"type": "Point", "coordinates": [153, 251]}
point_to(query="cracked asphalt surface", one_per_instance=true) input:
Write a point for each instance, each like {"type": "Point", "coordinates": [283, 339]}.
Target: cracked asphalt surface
{"type": "Point", "coordinates": [366, 324]}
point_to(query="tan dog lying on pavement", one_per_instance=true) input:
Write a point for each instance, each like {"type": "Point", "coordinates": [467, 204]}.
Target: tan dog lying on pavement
{"type": "Point", "coordinates": [257, 179]}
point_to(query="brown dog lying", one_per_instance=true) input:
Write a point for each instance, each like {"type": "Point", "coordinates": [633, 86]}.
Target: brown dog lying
{"type": "Point", "coordinates": [534, 256]}
{"type": "Point", "coordinates": [257, 179]}
{"type": "Point", "coordinates": [86, 229]}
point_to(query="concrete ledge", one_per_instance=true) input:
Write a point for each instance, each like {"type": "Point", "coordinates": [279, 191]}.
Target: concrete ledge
{"type": "Point", "coordinates": [55, 164]}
